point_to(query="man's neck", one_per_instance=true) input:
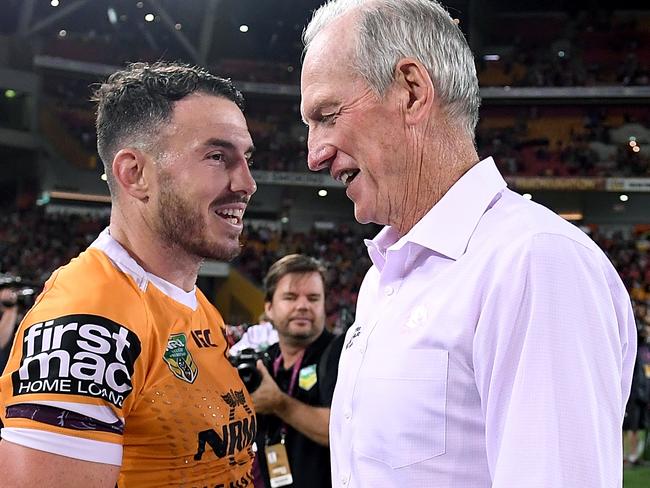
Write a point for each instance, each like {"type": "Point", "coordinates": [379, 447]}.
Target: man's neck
{"type": "Point", "coordinates": [441, 154]}
{"type": "Point", "coordinates": [291, 352]}
{"type": "Point", "coordinates": [155, 257]}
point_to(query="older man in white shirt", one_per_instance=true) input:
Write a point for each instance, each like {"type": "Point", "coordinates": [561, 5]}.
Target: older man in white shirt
{"type": "Point", "coordinates": [494, 342]}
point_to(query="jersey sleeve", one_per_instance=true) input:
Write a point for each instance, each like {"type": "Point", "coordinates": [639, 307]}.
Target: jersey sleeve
{"type": "Point", "coordinates": [72, 372]}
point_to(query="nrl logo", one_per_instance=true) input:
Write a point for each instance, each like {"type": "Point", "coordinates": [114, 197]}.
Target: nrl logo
{"type": "Point", "coordinates": [179, 359]}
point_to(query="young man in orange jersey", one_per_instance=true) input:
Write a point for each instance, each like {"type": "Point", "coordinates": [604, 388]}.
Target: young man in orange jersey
{"type": "Point", "coordinates": [119, 372]}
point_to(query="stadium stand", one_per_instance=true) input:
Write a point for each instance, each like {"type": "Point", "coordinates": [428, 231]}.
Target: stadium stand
{"type": "Point", "coordinates": [575, 151]}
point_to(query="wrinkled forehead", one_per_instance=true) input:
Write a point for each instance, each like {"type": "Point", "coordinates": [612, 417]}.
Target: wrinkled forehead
{"type": "Point", "coordinates": [334, 46]}
{"type": "Point", "coordinates": [327, 75]}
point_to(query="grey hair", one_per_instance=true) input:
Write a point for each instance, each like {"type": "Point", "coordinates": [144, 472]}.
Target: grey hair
{"type": "Point", "coordinates": [390, 30]}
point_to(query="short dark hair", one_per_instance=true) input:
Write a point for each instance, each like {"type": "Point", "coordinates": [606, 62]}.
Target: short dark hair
{"type": "Point", "coordinates": [292, 263]}
{"type": "Point", "coordinates": [133, 104]}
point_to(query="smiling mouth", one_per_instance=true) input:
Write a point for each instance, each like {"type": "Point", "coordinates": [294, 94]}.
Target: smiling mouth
{"type": "Point", "coordinates": [300, 319]}
{"type": "Point", "coordinates": [346, 177]}
{"type": "Point", "coordinates": [233, 216]}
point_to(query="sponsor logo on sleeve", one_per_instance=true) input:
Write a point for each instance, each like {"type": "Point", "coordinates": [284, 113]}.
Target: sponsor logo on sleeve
{"type": "Point", "coordinates": [83, 355]}
{"type": "Point", "coordinates": [179, 359]}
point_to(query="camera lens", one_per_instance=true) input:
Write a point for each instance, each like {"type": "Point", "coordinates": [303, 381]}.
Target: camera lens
{"type": "Point", "coordinates": [250, 376]}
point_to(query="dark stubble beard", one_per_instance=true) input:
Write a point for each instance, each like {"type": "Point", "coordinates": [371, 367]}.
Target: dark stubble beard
{"type": "Point", "coordinates": [181, 225]}
{"type": "Point", "coordinates": [302, 338]}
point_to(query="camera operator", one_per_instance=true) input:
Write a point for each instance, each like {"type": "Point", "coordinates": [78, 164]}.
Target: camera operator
{"type": "Point", "coordinates": [8, 322]}
{"type": "Point", "coordinates": [293, 399]}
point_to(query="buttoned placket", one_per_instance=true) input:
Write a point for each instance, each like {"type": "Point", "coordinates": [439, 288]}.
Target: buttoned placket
{"type": "Point", "coordinates": [390, 281]}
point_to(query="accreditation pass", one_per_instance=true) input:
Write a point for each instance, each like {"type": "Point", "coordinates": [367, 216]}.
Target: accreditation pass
{"type": "Point", "coordinates": [278, 464]}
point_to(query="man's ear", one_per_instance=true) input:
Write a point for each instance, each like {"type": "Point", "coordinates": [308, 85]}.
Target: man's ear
{"type": "Point", "coordinates": [413, 79]}
{"type": "Point", "coordinates": [129, 172]}
{"type": "Point", "coordinates": [267, 311]}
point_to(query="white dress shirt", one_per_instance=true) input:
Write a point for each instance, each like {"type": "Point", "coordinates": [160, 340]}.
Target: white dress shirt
{"type": "Point", "coordinates": [493, 347]}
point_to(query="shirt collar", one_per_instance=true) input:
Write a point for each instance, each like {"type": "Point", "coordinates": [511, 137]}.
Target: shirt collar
{"type": "Point", "coordinates": [312, 350]}
{"type": "Point", "coordinates": [123, 260]}
{"type": "Point", "coordinates": [449, 225]}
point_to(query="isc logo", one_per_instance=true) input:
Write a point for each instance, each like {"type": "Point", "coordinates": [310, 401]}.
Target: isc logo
{"type": "Point", "coordinates": [78, 355]}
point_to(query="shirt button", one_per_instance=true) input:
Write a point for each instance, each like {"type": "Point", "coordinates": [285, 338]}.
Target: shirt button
{"type": "Point", "coordinates": [389, 290]}
{"type": "Point", "coordinates": [348, 414]}
{"type": "Point", "coordinates": [344, 480]}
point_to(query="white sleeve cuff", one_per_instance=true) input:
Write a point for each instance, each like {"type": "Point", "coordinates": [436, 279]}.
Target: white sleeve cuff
{"type": "Point", "coordinates": [65, 445]}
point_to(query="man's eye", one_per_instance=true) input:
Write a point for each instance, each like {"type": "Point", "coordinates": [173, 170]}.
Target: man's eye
{"type": "Point", "coordinates": [328, 118]}
{"type": "Point", "coordinates": [216, 156]}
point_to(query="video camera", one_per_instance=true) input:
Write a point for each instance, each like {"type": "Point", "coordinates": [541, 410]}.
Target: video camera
{"type": "Point", "coordinates": [25, 290]}
{"type": "Point", "coordinates": [246, 364]}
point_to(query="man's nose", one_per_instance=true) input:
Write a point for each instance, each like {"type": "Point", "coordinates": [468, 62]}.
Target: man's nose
{"type": "Point", "coordinates": [320, 154]}
{"type": "Point", "coordinates": [242, 180]}
{"type": "Point", "coordinates": [302, 303]}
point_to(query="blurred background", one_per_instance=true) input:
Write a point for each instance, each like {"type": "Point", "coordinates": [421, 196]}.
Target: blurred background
{"type": "Point", "coordinates": [566, 99]}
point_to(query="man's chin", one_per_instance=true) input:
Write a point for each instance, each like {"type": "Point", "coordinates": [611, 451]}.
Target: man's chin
{"type": "Point", "coordinates": [220, 251]}
{"type": "Point", "coordinates": [302, 336]}
{"type": "Point", "coordinates": [362, 216]}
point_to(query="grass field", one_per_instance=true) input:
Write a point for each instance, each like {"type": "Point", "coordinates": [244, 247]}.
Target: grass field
{"type": "Point", "coordinates": [636, 477]}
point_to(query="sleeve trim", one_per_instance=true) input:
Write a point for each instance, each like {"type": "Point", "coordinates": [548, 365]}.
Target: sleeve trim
{"type": "Point", "coordinates": [64, 445]}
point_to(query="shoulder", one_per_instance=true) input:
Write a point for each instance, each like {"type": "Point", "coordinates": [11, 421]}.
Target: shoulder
{"type": "Point", "coordinates": [517, 228]}
{"type": "Point", "coordinates": [326, 351]}
{"type": "Point", "coordinates": [332, 352]}
{"type": "Point", "coordinates": [91, 285]}
{"type": "Point", "coordinates": [320, 345]}
{"type": "Point", "coordinates": [87, 307]}
{"type": "Point", "coordinates": [209, 309]}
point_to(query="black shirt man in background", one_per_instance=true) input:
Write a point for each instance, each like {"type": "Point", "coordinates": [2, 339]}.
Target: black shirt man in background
{"type": "Point", "coordinates": [293, 400]}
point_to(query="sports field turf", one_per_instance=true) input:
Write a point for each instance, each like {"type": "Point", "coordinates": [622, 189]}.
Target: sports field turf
{"type": "Point", "coordinates": [636, 477]}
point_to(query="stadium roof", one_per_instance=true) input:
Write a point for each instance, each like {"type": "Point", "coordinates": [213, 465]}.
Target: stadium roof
{"type": "Point", "coordinates": [205, 31]}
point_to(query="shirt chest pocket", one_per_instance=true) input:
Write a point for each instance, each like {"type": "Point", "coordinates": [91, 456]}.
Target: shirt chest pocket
{"type": "Point", "coordinates": [400, 407]}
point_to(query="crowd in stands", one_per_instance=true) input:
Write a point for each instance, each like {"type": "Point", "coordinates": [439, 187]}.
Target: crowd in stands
{"type": "Point", "coordinates": [558, 49]}
{"type": "Point", "coordinates": [524, 141]}
{"type": "Point", "coordinates": [67, 100]}
{"type": "Point", "coordinates": [631, 257]}
{"type": "Point", "coordinates": [568, 141]}
{"type": "Point", "coordinates": [535, 49]}
{"type": "Point", "coordinates": [33, 243]}
{"type": "Point", "coordinates": [539, 49]}
{"type": "Point", "coordinates": [531, 140]}
{"type": "Point", "coordinates": [341, 250]}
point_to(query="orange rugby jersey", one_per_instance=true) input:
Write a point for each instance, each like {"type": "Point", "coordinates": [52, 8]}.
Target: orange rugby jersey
{"type": "Point", "coordinates": [115, 365]}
